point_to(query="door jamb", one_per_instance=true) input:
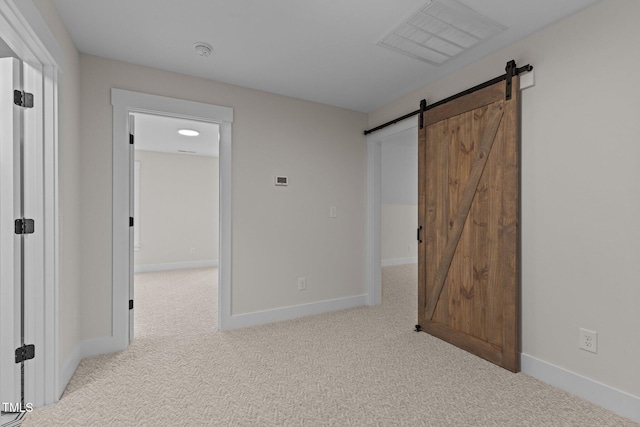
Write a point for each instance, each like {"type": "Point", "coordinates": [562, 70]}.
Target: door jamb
{"type": "Point", "coordinates": [125, 102]}
{"type": "Point", "coordinates": [374, 205]}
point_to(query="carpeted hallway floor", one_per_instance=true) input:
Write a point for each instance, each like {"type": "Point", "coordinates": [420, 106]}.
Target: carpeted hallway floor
{"type": "Point", "coordinates": [358, 367]}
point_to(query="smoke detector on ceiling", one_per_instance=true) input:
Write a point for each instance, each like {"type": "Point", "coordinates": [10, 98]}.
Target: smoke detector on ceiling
{"type": "Point", "coordinates": [202, 49]}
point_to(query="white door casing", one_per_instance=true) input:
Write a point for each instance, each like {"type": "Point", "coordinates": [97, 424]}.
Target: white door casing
{"type": "Point", "coordinates": [10, 252]}
{"type": "Point", "coordinates": [124, 103]}
{"type": "Point", "coordinates": [132, 204]}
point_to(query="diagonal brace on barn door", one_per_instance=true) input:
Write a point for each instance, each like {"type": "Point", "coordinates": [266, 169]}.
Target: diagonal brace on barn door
{"type": "Point", "coordinates": [496, 112]}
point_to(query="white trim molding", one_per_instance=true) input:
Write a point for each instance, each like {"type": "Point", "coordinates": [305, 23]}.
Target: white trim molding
{"type": "Point", "coordinates": [148, 268]}
{"type": "Point", "coordinates": [615, 400]}
{"type": "Point", "coordinates": [125, 102]}
{"type": "Point", "coordinates": [286, 313]}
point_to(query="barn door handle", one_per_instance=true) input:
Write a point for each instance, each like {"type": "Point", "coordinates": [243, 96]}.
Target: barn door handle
{"type": "Point", "coordinates": [420, 234]}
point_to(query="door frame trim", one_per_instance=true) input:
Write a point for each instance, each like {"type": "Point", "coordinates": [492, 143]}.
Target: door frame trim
{"type": "Point", "coordinates": [24, 29]}
{"type": "Point", "coordinates": [125, 102]}
{"type": "Point", "coordinates": [373, 264]}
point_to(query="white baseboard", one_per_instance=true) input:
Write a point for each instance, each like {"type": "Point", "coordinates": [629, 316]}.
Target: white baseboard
{"type": "Point", "coordinates": [398, 261]}
{"type": "Point", "coordinates": [286, 313]}
{"type": "Point", "coordinates": [147, 268]}
{"type": "Point", "coordinates": [615, 400]}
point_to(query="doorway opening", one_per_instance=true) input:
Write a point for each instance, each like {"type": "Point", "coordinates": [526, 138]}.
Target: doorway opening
{"type": "Point", "coordinates": [125, 104]}
{"type": "Point", "coordinates": [399, 209]}
{"type": "Point", "coordinates": [176, 217]}
{"type": "Point", "coordinates": [399, 199]}
{"type": "Point", "coordinates": [392, 177]}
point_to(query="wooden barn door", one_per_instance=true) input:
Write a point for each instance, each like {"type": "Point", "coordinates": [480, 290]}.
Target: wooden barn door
{"type": "Point", "coordinates": [468, 213]}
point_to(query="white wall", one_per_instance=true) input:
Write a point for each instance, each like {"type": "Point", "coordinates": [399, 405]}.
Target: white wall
{"type": "Point", "coordinates": [399, 168]}
{"type": "Point", "coordinates": [580, 199]}
{"type": "Point", "coordinates": [399, 198]}
{"type": "Point", "coordinates": [178, 209]}
{"type": "Point", "coordinates": [69, 181]}
{"type": "Point", "coordinates": [279, 233]}
{"type": "Point", "coordinates": [398, 243]}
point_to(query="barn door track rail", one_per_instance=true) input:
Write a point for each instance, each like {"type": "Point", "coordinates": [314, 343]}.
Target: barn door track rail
{"type": "Point", "coordinates": [511, 70]}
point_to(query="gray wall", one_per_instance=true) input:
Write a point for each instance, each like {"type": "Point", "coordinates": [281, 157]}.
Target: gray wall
{"type": "Point", "coordinates": [279, 233]}
{"type": "Point", "coordinates": [178, 209]}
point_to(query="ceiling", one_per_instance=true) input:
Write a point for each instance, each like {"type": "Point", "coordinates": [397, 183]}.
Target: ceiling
{"type": "Point", "coordinates": [160, 133]}
{"type": "Point", "coordinates": [322, 51]}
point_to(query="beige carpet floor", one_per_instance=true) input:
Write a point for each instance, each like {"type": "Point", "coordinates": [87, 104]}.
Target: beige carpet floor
{"type": "Point", "coordinates": [358, 367]}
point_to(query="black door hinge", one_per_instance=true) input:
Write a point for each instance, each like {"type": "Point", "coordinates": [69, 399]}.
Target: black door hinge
{"type": "Point", "coordinates": [23, 99]}
{"type": "Point", "coordinates": [130, 221]}
{"type": "Point", "coordinates": [24, 226]}
{"type": "Point", "coordinates": [26, 352]}
{"type": "Point", "coordinates": [420, 234]}
{"type": "Point", "coordinates": [131, 138]}
{"type": "Point", "coordinates": [130, 304]}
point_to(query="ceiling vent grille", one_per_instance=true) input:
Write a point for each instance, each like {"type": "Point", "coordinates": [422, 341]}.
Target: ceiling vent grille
{"type": "Point", "coordinates": [439, 31]}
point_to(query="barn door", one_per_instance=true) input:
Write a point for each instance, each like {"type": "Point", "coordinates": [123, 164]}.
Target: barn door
{"type": "Point", "coordinates": [468, 213]}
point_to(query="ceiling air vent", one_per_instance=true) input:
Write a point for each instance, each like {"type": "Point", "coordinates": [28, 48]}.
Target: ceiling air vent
{"type": "Point", "coordinates": [439, 31]}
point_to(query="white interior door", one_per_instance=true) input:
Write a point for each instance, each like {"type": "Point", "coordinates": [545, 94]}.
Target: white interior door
{"type": "Point", "coordinates": [134, 222]}
{"type": "Point", "coordinates": [10, 243]}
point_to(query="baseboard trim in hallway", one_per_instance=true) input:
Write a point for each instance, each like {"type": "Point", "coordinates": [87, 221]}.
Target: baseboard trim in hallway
{"type": "Point", "coordinates": [149, 268]}
{"type": "Point", "coordinates": [276, 315]}
{"type": "Point", "coordinates": [603, 395]}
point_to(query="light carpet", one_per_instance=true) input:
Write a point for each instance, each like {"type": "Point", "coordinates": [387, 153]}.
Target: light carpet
{"type": "Point", "coordinates": [357, 367]}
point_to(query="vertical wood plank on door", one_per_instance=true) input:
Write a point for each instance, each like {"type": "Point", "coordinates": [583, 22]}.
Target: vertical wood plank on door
{"type": "Point", "coordinates": [511, 234]}
{"type": "Point", "coordinates": [479, 220]}
{"type": "Point", "coordinates": [455, 180]}
{"type": "Point", "coordinates": [441, 137]}
{"type": "Point", "coordinates": [495, 178]}
{"type": "Point", "coordinates": [467, 296]}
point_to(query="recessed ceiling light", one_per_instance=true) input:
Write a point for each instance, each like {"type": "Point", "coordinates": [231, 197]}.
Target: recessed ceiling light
{"type": "Point", "coordinates": [188, 132]}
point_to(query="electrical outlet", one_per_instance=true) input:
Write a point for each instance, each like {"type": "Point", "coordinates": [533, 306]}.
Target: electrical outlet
{"type": "Point", "coordinates": [302, 283]}
{"type": "Point", "coordinates": [193, 250]}
{"type": "Point", "coordinates": [588, 340]}
{"type": "Point", "coordinates": [333, 212]}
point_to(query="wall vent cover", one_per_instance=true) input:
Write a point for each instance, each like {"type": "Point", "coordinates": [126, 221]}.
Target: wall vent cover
{"type": "Point", "coordinates": [440, 30]}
